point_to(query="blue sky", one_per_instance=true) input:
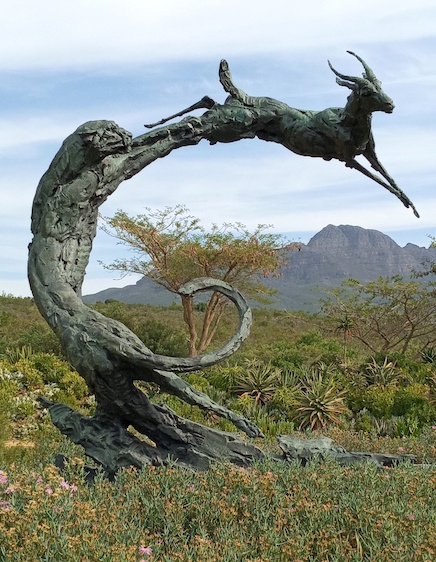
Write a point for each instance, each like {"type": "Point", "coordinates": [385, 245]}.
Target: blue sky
{"type": "Point", "coordinates": [66, 62]}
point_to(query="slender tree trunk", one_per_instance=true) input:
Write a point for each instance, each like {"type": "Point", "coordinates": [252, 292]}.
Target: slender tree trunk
{"type": "Point", "coordinates": [189, 318]}
{"type": "Point", "coordinates": [211, 323]}
{"type": "Point", "coordinates": [209, 316]}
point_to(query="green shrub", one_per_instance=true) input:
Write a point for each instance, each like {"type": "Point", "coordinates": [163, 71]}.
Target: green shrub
{"type": "Point", "coordinates": [74, 384]}
{"type": "Point", "coordinates": [9, 389]}
{"type": "Point", "coordinates": [32, 378]}
{"type": "Point", "coordinates": [285, 355]}
{"type": "Point", "coordinates": [40, 338]}
{"type": "Point", "coordinates": [52, 368]}
{"type": "Point", "coordinates": [161, 337]}
{"type": "Point", "coordinates": [408, 426]}
{"type": "Point", "coordinates": [363, 421]}
{"type": "Point", "coordinates": [24, 406]}
{"type": "Point", "coordinates": [411, 398]}
{"type": "Point", "coordinates": [284, 399]}
{"type": "Point", "coordinates": [378, 400]}
{"type": "Point", "coordinates": [223, 376]}
{"type": "Point", "coordinates": [315, 347]}
{"type": "Point", "coordinates": [409, 369]}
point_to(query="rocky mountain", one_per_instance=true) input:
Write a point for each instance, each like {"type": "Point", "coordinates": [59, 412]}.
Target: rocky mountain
{"type": "Point", "coordinates": [332, 255]}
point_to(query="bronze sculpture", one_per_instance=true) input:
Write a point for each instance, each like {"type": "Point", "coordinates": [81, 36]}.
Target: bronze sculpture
{"type": "Point", "coordinates": [90, 165]}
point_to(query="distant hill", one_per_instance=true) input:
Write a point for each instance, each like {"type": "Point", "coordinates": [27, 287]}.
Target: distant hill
{"type": "Point", "coordinates": [332, 255]}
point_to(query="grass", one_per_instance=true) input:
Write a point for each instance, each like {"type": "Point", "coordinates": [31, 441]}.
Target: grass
{"type": "Point", "coordinates": [270, 511]}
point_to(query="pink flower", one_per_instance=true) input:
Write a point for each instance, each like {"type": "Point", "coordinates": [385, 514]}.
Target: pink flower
{"type": "Point", "coordinates": [65, 485]}
{"type": "Point", "coordinates": [39, 480]}
{"type": "Point", "coordinates": [6, 506]}
{"type": "Point", "coordinates": [10, 490]}
{"type": "Point", "coordinates": [145, 550]}
{"type": "Point", "coordinates": [3, 477]}
{"type": "Point", "coordinates": [411, 517]}
{"type": "Point", "coordinates": [73, 487]}
{"type": "Point", "coordinates": [48, 490]}
{"type": "Point", "coordinates": [192, 487]}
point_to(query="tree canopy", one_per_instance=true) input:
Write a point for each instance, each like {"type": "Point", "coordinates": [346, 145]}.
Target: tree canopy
{"type": "Point", "coordinates": [388, 314]}
{"type": "Point", "coordinates": [171, 247]}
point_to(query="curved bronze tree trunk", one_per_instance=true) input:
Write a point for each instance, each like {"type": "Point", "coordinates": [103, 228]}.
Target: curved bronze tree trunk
{"type": "Point", "coordinates": [90, 165]}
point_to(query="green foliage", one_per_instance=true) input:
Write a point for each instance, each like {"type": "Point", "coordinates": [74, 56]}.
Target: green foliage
{"type": "Point", "coordinates": [428, 355]}
{"type": "Point", "coordinates": [284, 354]}
{"type": "Point", "coordinates": [9, 389]}
{"type": "Point", "coordinates": [319, 402]}
{"type": "Point", "coordinates": [381, 374]}
{"type": "Point", "coordinates": [224, 375]}
{"type": "Point", "coordinates": [26, 376]}
{"type": "Point", "coordinates": [259, 381]}
{"type": "Point", "coordinates": [31, 377]}
{"type": "Point", "coordinates": [392, 409]}
{"type": "Point", "coordinates": [388, 393]}
{"type": "Point", "coordinates": [410, 398]}
{"type": "Point", "coordinates": [74, 386]}
{"type": "Point", "coordinates": [305, 348]}
{"type": "Point", "coordinates": [388, 314]}
{"type": "Point", "coordinates": [412, 404]}
{"type": "Point", "coordinates": [21, 325]}
{"type": "Point", "coordinates": [378, 400]}
{"type": "Point", "coordinates": [162, 337]}
{"type": "Point", "coordinates": [284, 399]}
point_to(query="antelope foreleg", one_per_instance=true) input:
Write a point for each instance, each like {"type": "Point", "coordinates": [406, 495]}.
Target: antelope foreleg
{"type": "Point", "coordinates": [391, 186]}
{"type": "Point", "coordinates": [205, 103]}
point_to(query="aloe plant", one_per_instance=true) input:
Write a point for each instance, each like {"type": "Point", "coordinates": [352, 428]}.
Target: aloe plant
{"type": "Point", "coordinates": [259, 381]}
{"type": "Point", "coordinates": [382, 375]}
{"type": "Point", "coordinates": [319, 402]}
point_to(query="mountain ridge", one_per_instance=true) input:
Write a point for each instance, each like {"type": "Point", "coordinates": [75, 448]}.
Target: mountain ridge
{"type": "Point", "coordinates": [333, 254]}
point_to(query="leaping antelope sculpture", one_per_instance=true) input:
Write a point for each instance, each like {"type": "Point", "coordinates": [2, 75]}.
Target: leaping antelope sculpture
{"type": "Point", "coordinates": [336, 132]}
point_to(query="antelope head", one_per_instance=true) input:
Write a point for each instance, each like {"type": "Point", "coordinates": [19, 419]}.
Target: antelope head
{"type": "Point", "coordinates": [368, 89]}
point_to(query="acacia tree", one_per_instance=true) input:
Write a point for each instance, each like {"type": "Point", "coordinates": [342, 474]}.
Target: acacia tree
{"type": "Point", "coordinates": [171, 247]}
{"type": "Point", "coordinates": [387, 314]}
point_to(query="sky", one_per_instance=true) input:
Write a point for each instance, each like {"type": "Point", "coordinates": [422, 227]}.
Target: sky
{"type": "Point", "coordinates": [63, 63]}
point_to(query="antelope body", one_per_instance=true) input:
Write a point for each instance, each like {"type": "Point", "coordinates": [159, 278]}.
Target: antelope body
{"type": "Point", "coordinates": [340, 133]}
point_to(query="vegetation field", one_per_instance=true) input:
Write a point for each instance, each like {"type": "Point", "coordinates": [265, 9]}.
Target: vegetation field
{"type": "Point", "coordinates": [296, 374]}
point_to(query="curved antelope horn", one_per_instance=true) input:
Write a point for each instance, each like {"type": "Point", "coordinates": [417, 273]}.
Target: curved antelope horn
{"type": "Point", "coordinates": [344, 77]}
{"type": "Point", "coordinates": [369, 74]}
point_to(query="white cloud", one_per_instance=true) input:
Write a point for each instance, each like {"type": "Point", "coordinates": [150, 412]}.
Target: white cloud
{"type": "Point", "coordinates": [57, 33]}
